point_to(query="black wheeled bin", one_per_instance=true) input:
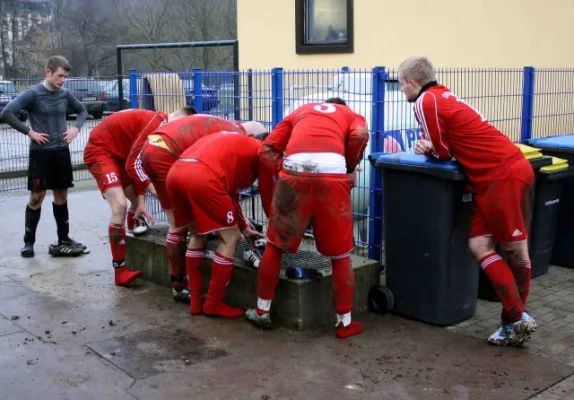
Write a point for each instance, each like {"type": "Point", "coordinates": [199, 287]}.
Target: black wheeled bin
{"type": "Point", "coordinates": [538, 161]}
{"type": "Point", "coordinates": [562, 146]}
{"type": "Point", "coordinates": [426, 210]}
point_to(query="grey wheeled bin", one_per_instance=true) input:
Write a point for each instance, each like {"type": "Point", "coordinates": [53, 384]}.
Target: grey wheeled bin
{"type": "Point", "coordinates": [562, 146]}
{"type": "Point", "coordinates": [430, 273]}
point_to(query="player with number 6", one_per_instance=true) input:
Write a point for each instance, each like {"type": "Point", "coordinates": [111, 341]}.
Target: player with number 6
{"type": "Point", "coordinates": [113, 147]}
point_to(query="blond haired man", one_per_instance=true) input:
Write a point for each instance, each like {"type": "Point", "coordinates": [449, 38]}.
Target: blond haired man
{"type": "Point", "coordinates": [500, 178]}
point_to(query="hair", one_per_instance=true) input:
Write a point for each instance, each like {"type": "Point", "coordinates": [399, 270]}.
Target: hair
{"type": "Point", "coordinates": [418, 69]}
{"type": "Point", "coordinates": [261, 136]}
{"type": "Point", "coordinates": [56, 62]}
{"type": "Point", "coordinates": [336, 100]}
{"type": "Point", "coordinates": [185, 111]}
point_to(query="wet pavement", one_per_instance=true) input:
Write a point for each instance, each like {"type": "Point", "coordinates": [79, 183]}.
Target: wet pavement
{"type": "Point", "coordinates": [66, 332]}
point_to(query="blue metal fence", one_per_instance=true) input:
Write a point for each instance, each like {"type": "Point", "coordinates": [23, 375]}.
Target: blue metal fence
{"type": "Point", "coordinates": [521, 102]}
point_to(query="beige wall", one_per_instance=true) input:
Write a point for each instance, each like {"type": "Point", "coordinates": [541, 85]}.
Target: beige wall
{"type": "Point", "coordinates": [453, 33]}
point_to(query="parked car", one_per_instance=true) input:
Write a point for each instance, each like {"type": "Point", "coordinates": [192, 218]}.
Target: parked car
{"type": "Point", "coordinates": [209, 96]}
{"type": "Point", "coordinates": [89, 92]}
{"type": "Point", "coordinates": [113, 102]}
{"type": "Point", "coordinates": [8, 92]}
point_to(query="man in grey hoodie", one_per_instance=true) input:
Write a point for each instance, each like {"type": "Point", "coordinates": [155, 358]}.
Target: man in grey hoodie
{"type": "Point", "coordinates": [50, 165]}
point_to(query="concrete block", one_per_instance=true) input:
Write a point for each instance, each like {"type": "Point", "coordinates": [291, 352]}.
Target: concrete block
{"type": "Point", "coordinates": [298, 304]}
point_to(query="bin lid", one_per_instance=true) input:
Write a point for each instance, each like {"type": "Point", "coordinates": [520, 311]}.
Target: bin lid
{"type": "Point", "coordinates": [558, 143]}
{"type": "Point", "coordinates": [558, 164]}
{"type": "Point", "coordinates": [406, 161]}
{"type": "Point", "coordinates": [530, 153]}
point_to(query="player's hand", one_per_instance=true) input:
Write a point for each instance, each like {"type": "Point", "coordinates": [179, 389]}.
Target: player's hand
{"type": "Point", "coordinates": [151, 190]}
{"type": "Point", "coordinates": [423, 146]}
{"type": "Point", "coordinates": [71, 134]}
{"type": "Point", "coordinates": [251, 234]}
{"type": "Point", "coordinates": [141, 210]}
{"type": "Point", "coordinates": [40, 138]}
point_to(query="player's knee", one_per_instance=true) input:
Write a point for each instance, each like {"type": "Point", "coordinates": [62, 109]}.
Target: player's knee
{"type": "Point", "coordinates": [60, 196]}
{"type": "Point", "coordinates": [36, 199]}
{"type": "Point", "coordinates": [230, 237]}
{"type": "Point", "coordinates": [196, 241]}
{"type": "Point", "coordinates": [119, 208]}
{"type": "Point", "coordinates": [481, 246]}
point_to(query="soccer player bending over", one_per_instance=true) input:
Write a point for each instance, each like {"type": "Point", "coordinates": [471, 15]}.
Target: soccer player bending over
{"type": "Point", "coordinates": [204, 186]}
{"type": "Point", "coordinates": [113, 147]}
{"type": "Point", "coordinates": [323, 144]}
{"type": "Point", "coordinates": [499, 176]}
{"type": "Point", "coordinates": [161, 150]}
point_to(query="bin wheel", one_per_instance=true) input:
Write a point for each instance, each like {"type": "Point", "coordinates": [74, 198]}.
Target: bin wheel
{"type": "Point", "coordinates": [380, 299]}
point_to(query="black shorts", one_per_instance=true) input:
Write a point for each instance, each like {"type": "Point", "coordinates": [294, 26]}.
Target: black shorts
{"type": "Point", "coordinates": [49, 170]}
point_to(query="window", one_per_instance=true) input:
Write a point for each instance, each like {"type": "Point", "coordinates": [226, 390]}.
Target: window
{"type": "Point", "coordinates": [324, 26]}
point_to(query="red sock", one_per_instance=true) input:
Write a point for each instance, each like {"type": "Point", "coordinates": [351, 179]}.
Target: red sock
{"type": "Point", "coordinates": [193, 259]}
{"type": "Point", "coordinates": [343, 285]}
{"type": "Point", "coordinates": [131, 219]}
{"type": "Point", "coordinates": [522, 271]}
{"type": "Point", "coordinates": [175, 249]}
{"type": "Point", "coordinates": [504, 285]}
{"type": "Point", "coordinates": [268, 274]}
{"type": "Point", "coordinates": [221, 270]}
{"type": "Point", "coordinates": [117, 235]}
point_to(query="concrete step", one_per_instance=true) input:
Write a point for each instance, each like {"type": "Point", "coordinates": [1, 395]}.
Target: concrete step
{"type": "Point", "coordinates": [298, 304]}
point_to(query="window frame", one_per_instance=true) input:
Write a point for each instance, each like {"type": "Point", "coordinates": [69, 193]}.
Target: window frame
{"type": "Point", "coordinates": [321, 48]}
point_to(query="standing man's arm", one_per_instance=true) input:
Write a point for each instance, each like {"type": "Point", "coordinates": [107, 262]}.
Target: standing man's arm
{"type": "Point", "coordinates": [22, 102]}
{"type": "Point", "coordinates": [356, 142]}
{"type": "Point", "coordinates": [71, 133]}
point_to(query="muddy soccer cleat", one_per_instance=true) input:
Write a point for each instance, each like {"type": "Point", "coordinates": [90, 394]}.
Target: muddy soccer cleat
{"type": "Point", "coordinates": [262, 321]}
{"type": "Point", "coordinates": [182, 295]}
{"type": "Point", "coordinates": [522, 329]}
{"type": "Point", "coordinates": [502, 336]}
{"type": "Point", "coordinates": [140, 226]}
{"type": "Point", "coordinates": [251, 258]}
{"type": "Point", "coordinates": [66, 248]}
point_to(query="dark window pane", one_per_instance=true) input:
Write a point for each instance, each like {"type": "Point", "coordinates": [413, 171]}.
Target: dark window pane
{"type": "Point", "coordinates": [325, 21]}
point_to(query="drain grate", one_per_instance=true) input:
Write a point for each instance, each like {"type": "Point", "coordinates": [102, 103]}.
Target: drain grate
{"type": "Point", "coordinates": [303, 258]}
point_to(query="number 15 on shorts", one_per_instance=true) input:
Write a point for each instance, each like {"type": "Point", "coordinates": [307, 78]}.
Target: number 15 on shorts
{"type": "Point", "coordinates": [112, 177]}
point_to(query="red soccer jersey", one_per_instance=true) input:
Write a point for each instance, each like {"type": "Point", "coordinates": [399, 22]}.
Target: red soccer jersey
{"type": "Point", "coordinates": [233, 156]}
{"type": "Point", "coordinates": [457, 130]}
{"type": "Point", "coordinates": [180, 134]}
{"type": "Point", "coordinates": [318, 128]}
{"type": "Point", "coordinates": [124, 133]}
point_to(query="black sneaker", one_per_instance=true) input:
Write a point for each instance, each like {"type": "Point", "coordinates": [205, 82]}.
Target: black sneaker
{"type": "Point", "coordinates": [66, 248]}
{"type": "Point", "coordinates": [77, 244]}
{"type": "Point", "coordinates": [28, 250]}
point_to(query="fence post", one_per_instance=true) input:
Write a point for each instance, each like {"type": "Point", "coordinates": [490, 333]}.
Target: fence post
{"type": "Point", "coordinates": [527, 104]}
{"type": "Point", "coordinates": [250, 94]}
{"type": "Point", "coordinates": [133, 89]}
{"type": "Point", "coordinates": [376, 184]}
{"type": "Point", "coordinates": [277, 96]}
{"type": "Point", "coordinates": [197, 89]}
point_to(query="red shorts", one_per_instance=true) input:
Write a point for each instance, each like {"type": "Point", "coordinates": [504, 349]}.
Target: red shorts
{"type": "Point", "coordinates": [156, 162]}
{"type": "Point", "coordinates": [108, 170]}
{"type": "Point", "coordinates": [198, 195]}
{"type": "Point", "coordinates": [324, 201]}
{"type": "Point", "coordinates": [502, 209]}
